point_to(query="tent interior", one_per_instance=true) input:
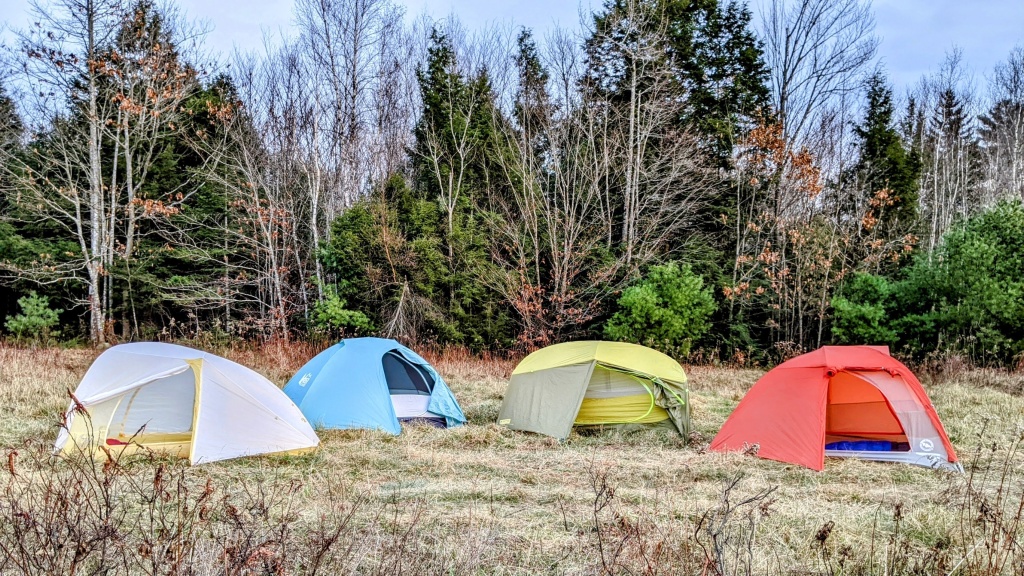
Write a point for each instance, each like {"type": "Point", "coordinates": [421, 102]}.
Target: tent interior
{"type": "Point", "coordinates": [158, 415]}
{"type": "Point", "coordinates": [619, 397]}
{"type": "Point", "coordinates": [860, 417]}
{"type": "Point", "coordinates": [410, 387]}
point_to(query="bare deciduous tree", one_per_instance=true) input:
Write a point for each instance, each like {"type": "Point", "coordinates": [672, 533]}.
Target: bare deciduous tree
{"type": "Point", "coordinates": [615, 185]}
{"type": "Point", "coordinates": [816, 50]}
{"type": "Point", "coordinates": [355, 53]}
{"type": "Point", "coordinates": [944, 129]}
{"type": "Point", "coordinates": [1002, 129]}
{"type": "Point", "coordinates": [325, 119]}
{"type": "Point", "coordinates": [65, 68]}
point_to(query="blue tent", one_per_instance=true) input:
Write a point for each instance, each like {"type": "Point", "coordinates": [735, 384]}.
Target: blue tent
{"type": "Point", "coordinates": [372, 383]}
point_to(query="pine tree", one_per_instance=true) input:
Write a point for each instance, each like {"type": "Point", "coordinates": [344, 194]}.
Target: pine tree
{"type": "Point", "coordinates": [442, 216]}
{"type": "Point", "coordinates": [712, 53]}
{"type": "Point", "coordinates": [533, 103]}
{"type": "Point", "coordinates": [887, 170]}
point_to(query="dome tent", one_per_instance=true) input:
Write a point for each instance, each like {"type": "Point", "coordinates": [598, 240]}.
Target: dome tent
{"type": "Point", "coordinates": [372, 383]}
{"type": "Point", "coordinates": [842, 401]}
{"type": "Point", "coordinates": [595, 383]}
{"type": "Point", "coordinates": [184, 402]}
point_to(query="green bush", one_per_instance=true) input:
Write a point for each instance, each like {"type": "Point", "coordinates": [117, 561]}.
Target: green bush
{"type": "Point", "coordinates": [331, 317]}
{"type": "Point", "coordinates": [980, 285]}
{"type": "Point", "coordinates": [967, 297]}
{"type": "Point", "coordinates": [668, 310]}
{"type": "Point", "coordinates": [860, 315]}
{"type": "Point", "coordinates": [36, 321]}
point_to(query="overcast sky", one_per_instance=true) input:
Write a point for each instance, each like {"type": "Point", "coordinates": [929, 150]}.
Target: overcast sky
{"type": "Point", "coordinates": [915, 34]}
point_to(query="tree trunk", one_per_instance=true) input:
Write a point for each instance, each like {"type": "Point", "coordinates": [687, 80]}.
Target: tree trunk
{"type": "Point", "coordinates": [97, 239]}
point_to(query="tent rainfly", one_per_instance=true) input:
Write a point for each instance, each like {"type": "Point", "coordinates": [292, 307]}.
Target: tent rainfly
{"type": "Point", "coordinates": [841, 401]}
{"type": "Point", "coordinates": [595, 383]}
{"type": "Point", "coordinates": [372, 383]}
{"type": "Point", "coordinates": [184, 402]}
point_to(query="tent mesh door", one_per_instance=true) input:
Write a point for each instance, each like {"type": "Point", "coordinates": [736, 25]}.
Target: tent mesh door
{"type": "Point", "coordinates": [403, 377]}
{"type": "Point", "coordinates": [859, 415]}
{"type": "Point", "coordinates": [410, 387]}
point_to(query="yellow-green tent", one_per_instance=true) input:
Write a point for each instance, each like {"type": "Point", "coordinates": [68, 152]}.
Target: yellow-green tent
{"type": "Point", "coordinates": [595, 383]}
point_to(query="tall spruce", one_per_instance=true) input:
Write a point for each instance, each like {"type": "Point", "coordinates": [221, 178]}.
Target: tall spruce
{"type": "Point", "coordinates": [532, 103]}
{"type": "Point", "coordinates": [722, 68]}
{"type": "Point", "coordinates": [455, 131]}
{"type": "Point", "coordinates": [11, 132]}
{"type": "Point", "coordinates": [455, 169]}
{"type": "Point", "coordinates": [887, 170]}
{"type": "Point", "coordinates": [714, 57]}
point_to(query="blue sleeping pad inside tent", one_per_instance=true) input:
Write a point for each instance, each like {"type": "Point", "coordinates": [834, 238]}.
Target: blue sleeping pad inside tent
{"type": "Point", "coordinates": [351, 385]}
{"type": "Point", "coordinates": [862, 445]}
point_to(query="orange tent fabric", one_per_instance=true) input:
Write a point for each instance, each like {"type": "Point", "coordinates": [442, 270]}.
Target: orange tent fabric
{"type": "Point", "coordinates": [833, 394]}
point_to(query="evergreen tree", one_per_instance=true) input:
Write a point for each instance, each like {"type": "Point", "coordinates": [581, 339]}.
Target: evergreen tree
{"type": "Point", "coordinates": [11, 131]}
{"type": "Point", "coordinates": [455, 132]}
{"type": "Point", "coordinates": [887, 170]}
{"type": "Point", "coordinates": [954, 140]}
{"type": "Point", "coordinates": [25, 241]}
{"type": "Point", "coordinates": [722, 69]}
{"type": "Point", "coordinates": [177, 273]}
{"type": "Point", "coordinates": [949, 121]}
{"type": "Point", "coordinates": [965, 299]}
{"type": "Point", "coordinates": [713, 55]}
{"type": "Point", "coordinates": [533, 103]}
{"type": "Point", "coordinates": [11, 127]}
{"type": "Point", "coordinates": [412, 257]}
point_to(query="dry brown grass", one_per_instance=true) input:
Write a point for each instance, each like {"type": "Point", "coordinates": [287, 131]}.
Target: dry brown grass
{"type": "Point", "coordinates": [496, 501]}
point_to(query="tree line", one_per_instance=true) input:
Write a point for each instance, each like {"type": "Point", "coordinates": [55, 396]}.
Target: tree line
{"type": "Point", "coordinates": [682, 173]}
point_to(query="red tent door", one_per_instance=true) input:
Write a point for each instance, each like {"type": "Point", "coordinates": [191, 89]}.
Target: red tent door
{"type": "Point", "coordinates": [857, 410]}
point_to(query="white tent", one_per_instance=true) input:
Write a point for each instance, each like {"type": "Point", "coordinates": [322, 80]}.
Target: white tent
{"type": "Point", "coordinates": [174, 399]}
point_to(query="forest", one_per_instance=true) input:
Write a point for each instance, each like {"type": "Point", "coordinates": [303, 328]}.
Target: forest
{"type": "Point", "coordinates": [719, 184]}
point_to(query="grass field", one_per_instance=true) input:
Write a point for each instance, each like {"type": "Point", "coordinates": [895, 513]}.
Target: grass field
{"type": "Point", "coordinates": [481, 499]}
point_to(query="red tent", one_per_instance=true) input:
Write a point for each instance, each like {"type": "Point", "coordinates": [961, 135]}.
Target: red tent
{"type": "Point", "coordinates": [845, 401]}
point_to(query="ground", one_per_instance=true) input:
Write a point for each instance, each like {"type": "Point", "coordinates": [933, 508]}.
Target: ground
{"type": "Point", "coordinates": [484, 499]}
